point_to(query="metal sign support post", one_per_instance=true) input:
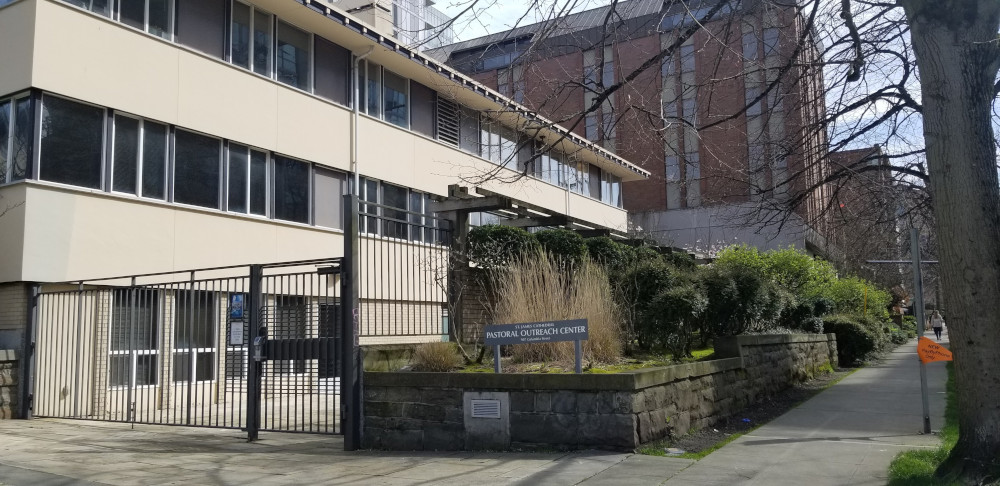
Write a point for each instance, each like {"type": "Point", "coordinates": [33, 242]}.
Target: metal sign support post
{"type": "Point", "coordinates": [496, 359]}
{"type": "Point", "coordinates": [578, 351]}
{"type": "Point", "coordinates": [352, 374]}
{"type": "Point", "coordinates": [918, 304]}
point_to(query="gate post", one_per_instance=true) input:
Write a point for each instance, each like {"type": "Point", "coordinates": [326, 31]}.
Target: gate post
{"type": "Point", "coordinates": [350, 381]}
{"type": "Point", "coordinates": [255, 369]}
{"type": "Point", "coordinates": [27, 379]}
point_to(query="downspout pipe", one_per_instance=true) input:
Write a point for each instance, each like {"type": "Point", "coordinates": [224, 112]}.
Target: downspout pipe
{"type": "Point", "coordinates": [355, 188]}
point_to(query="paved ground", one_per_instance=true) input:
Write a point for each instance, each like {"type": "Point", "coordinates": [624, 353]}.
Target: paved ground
{"type": "Point", "coordinates": [845, 436]}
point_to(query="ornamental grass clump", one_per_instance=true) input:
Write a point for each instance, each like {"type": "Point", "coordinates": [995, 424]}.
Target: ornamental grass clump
{"type": "Point", "coordinates": [439, 356]}
{"type": "Point", "coordinates": [537, 287]}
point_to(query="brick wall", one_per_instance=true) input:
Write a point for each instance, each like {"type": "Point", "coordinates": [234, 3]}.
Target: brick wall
{"type": "Point", "coordinates": [14, 306]}
{"type": "Point", "coordinates": [425, 411]}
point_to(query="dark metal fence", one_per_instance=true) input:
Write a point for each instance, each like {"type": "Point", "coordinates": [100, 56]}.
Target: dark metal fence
{"type": "Point", "coordinates": [176, 348]}
{"type": "Point", "coordinates": [404, 259]}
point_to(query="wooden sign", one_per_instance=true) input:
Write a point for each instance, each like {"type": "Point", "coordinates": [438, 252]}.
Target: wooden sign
{"type": "Point", "coordinates": [930, 351]}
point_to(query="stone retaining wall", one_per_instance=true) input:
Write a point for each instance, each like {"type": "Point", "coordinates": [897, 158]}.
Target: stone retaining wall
{"type": "Point", "coordinates": [432, 411]}
{"type": "Point", "coordinates": [8, 384]}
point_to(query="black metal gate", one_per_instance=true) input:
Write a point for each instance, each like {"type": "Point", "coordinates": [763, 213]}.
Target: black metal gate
{"type": "Point", "coordinates": [271, 347]}
{"type": "Point", "coordinates": [179, 348]}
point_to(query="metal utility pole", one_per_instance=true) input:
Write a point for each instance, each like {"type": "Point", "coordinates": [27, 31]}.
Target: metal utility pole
{"type": "Point", "coordinates": [918, 313]}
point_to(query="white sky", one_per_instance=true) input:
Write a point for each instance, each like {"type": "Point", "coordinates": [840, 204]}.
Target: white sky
{"type": "Point", "coordinates": [489, 16]}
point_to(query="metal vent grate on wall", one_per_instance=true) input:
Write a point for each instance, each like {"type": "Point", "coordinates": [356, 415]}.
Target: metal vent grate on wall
{"type": "Point", "coordinates": [447, 121]}
{"type": "Point", "coordinates": [486, 409]}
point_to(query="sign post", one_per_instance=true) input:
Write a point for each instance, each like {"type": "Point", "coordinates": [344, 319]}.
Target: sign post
{"type": "Point", "coordinates": [575, 330]}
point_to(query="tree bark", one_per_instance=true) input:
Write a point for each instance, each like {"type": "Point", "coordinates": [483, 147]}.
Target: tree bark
{"type": "Point", "coordinates": [955, 42]}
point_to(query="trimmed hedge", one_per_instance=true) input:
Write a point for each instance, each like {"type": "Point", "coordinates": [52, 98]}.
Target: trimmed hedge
{"type": "Point", "coordinates": [855, 340]}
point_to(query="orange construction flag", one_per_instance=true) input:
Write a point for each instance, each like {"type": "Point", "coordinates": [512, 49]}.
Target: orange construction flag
{"type": "Point", "coordinates": [930, 351]}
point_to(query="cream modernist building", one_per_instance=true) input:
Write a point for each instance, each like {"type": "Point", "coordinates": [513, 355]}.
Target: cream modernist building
{"type": "Point", "coordinates": [161, 135]}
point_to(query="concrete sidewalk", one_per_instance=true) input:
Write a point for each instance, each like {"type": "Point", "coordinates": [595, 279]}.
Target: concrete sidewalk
{"type": "Point", "coordinates": [844, 436]}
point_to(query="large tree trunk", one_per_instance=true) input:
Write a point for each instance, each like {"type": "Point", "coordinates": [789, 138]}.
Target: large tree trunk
{"type": "Point", "coordinates": [957, 58]}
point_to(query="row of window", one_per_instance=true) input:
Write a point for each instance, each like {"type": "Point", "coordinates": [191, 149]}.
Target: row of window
{"type": "Point", "coordinates": [134, 337]}
{"type": "Point", "coordinates": [258, 41]}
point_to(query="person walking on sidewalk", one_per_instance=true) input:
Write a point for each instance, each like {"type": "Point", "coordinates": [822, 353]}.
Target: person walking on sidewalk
{"type": "Point", "coordinates": [937, 323]}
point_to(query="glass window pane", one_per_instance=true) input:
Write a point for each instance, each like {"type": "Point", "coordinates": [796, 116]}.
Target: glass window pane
{"type": "Point", "coordinates": [22, 139]}
{"type": "Point", "coordinates": [159, 18]}
{"type": "Point", "coordinates": [238, 166]}
{"type": "Point", "coordinates": [119, 370]}
{"type": "Point", "coordinates": [195, 322]}
{"type": "Point", "coordinates": [258, 183]}
{"type": "Point", "coordinates": [4, 138]}
{"type": "Point", "coordinates": [262, 43]}
{"type": "Point", "coordinates": [395, 221]}
{"type": "Point", "coordinates": [291, 190]}
{"type": "Point", "coordinates": [133, 13]}
{"type": "Point", "coordinates": [328, 188]}
{"type": "Point", "coordinates": [205, 366]}
{"type": "Point", "coordinates": [332, 71]}
{"type": "Point", "coordinates": [196, 169]}
{"type": "Point", "coordinates": [72, 142]}
{"type": "Point", "coordinates": [292, 63]}
{"type": "Point", "coordinates": [126, 155]}
{"type": "Point", "coordinates": [145, 369]}
{"type": "Point", "coordinates": [469, 130]}
{"type": "Point", "coordinates": [182, 367]}
{"type": "Point", "coordinates": [134, 320]}
{"type": "Point", "coordinates": [397, 109]}
{"type": "Point", "coordinates": [370, 194]}
{"type": "Point", "coordinates": [240, 45]}
{"type": "Point", "coordinates": [374, 90]}
{"type": "Point", "coordinates": [201, 24]}
{"type": "Point", "coordinates": [416, 205]}
{"type": "Point", "coordinates": [154, 160]}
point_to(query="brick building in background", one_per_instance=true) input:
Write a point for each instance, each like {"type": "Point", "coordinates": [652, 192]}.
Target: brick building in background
{"type": "Point", "coordinates": [725, 153]}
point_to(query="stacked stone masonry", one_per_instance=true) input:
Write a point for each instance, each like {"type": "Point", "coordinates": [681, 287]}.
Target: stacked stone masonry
{"type": "Point", "coordinates": [8, 384]}
{"type": "Point", "coordinates": [425, 411]}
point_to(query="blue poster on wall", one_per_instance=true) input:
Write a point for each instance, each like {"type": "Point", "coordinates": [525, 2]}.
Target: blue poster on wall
{"type": "Point", "coordinates": [236, 306]}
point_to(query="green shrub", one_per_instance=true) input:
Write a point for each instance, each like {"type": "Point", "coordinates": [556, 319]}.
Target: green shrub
{"type": "Point", "coordinates": [494, 246]}
{"type": "Point", "coordinates": [637, 286]}
{"type": "Point", "coordinates": [606, 252]}
{"type": "Point", "coordinates": [812, 325]}
{"type": "Point", "coordinates": [855, 341]}
{"type": "Point", "coordinates": [898, 336]}
{"type": "Point", "coordinates": [435, 357]}
{"type": "Point", "coordinates": [681, 260]}
{"type": "Point", "coordinates": [563, 244]}
{"type": "Point", "coordinates": [673, 316]}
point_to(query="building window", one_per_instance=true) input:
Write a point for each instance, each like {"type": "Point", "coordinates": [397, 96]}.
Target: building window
{"type": "Point", "coordinates": [72, 145]}
{"type": "Point", "coordinates": [240, 47]}
{"type": "Point", "coordinates": [126, 156]}
{"type": "Point", "coordinates": [153, 16]}
{"type": "Point", "coordinates": [194, 336]}
{"type": "Point", "coordinates": [154, 160]}
{"type": "Point", "coordinates": [291, 314]}
{"type": "Point", "coordinates": [135, 316]}
{"type": "Point", "coordinates": [328, 197]}
{"type": "Point", "coordinates": [397, 110]}
{"type": "Point", "coordinates": [771, 42]}
{"type": "Point", "coordinates": [394, 199]}
{"type": "Point", "coordinates": [197, 168]}
{"type": "Point", "coordinates": [372, 91]}
{"type": "Point", "coordinates": [247, 186]}
{"type": "Point", "coordinates": [368, 194]}
{"type": "Point", "coordinates": [96, 6]}
{"type": "Point", "coordinates": [673, 176]}
{"type": "Point", "coordinates": [692, 179]}
{"type": "Point", "coordinates": [15, 138]}
{"type": "Point", "coordinates": [293, 56]}
{"type": "Point", "coordinates": [332, 71]}
{"type": "Point", "coordinates": [611, 192]}
{"type": "Point", "coordinates": [469, 132]}
{"type": "Point", "coordinates": [201, 25]}
{"type": "Point", "coordinates": [291, 190]}
{"type": "Point", "coordinates": [262, 55]}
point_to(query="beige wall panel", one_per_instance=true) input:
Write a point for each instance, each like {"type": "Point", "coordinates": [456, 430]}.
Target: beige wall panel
{"type": "Point", "coordinates": [313, 130]}
{"type": "Point", "coordinates": [595, 211]}
{"type": "Point", "coordinates": [12, 231]}
{"type": "Point", "coordinates": [226, 101]}
{"type": "Point", "coordinates": [17, 22]}
{"type": "Point", "coordinates": [389, 153]}
{"type": "Point", "coordinates": [103, 62]}
{"type": "Point", "coordinates": [74, 236]}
